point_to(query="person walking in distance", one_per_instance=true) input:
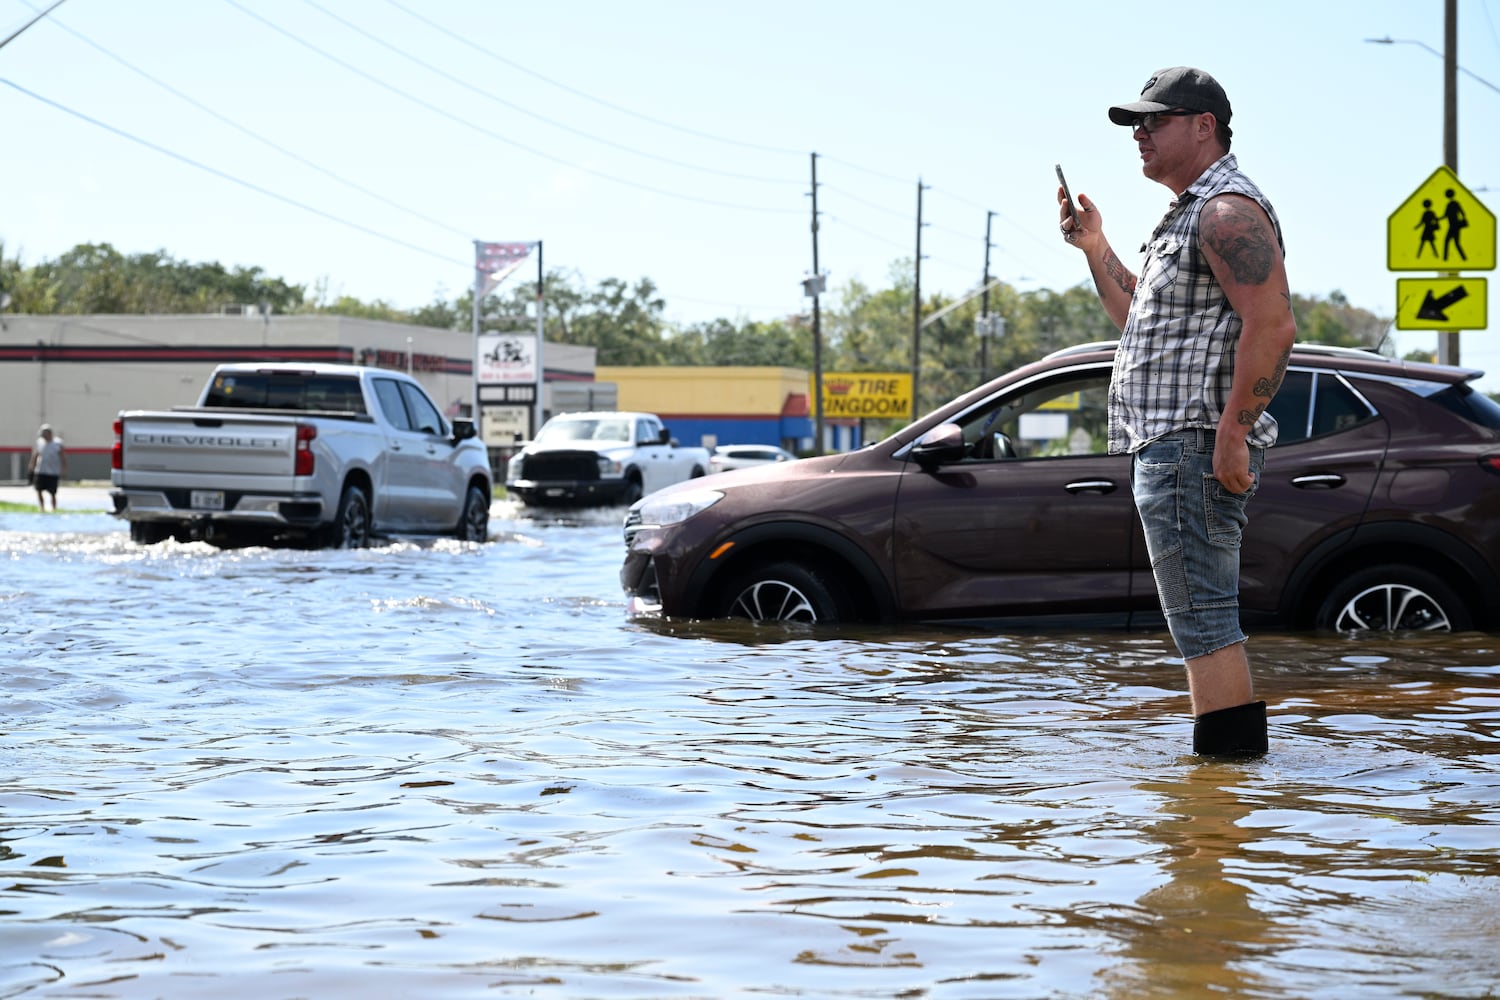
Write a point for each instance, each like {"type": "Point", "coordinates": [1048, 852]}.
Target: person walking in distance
{"type": "Point", "coordinates": [1206, 333]}
{"type": "Point", "coordinates": [49, 463]}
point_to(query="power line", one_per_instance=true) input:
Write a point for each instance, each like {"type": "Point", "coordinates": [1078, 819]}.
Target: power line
{"type": "Point", "coordinates": [258, 137]}
{"type": "Point", "coordinates": [539, 117]}
{"type": "Point", "coordinates": [589, 97]}
{"type": "Point", "coordinates": [12, 36]}
{"type": "Point", "coordinates": [495, 135]}
{"type": "Point", "coordinates": [233, 179]}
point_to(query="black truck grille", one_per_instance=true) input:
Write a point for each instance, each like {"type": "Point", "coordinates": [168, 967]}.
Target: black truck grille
{"type": "Point", "coordinates": [568, 466]}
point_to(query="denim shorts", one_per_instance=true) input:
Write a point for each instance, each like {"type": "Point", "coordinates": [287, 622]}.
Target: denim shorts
{"type": "Point", "coordinates": [1193, 528]}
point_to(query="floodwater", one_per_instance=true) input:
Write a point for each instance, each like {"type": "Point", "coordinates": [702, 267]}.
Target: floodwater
{"type": "Point", "coordinates": [439, 769]}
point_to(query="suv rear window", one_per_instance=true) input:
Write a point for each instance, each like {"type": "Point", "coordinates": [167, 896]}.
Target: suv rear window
{"type": "Point", "coordinates": [1470, 404]}
{"type": "Point", "coordinates": [1312, 403]}
{"type": "Point", "coordinates": [286, 391]}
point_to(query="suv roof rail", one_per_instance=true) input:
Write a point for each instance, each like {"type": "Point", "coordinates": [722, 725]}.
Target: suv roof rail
{"type": "Point", "coordinates": [1333, 350]}
{"type": "Point", "coordinates": [1093, 345]}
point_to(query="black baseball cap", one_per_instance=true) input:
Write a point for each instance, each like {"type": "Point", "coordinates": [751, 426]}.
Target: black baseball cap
{"type": "Point", "coordinates": [1176, 87]}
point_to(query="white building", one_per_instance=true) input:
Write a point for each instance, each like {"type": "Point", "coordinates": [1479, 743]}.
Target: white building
{"type": "Point", "coordinates": [77, 372]}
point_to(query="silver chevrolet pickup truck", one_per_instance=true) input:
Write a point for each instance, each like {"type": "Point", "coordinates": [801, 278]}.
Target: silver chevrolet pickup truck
{"type": "Point", "coordinates": [317, 455]}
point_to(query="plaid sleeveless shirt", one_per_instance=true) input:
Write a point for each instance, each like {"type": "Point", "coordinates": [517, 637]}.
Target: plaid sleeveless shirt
{"type": "Point", "coordinates": [1175, 364]}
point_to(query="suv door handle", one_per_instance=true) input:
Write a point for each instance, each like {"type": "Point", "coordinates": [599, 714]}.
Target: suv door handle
{"type": "Point", "coordinates": [1100, 486]}
{"type": "Point", "coordinates": [1323, 481]}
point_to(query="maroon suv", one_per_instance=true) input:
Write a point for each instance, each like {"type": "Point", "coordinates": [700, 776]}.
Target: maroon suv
{"type": "Point", "coordinates": [1378, 509]}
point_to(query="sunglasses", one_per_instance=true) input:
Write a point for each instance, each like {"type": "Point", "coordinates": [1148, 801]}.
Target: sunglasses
{"type": "Point", "coordinates": [1150, 123]}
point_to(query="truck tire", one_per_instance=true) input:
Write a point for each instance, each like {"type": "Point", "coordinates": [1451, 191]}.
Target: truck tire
{"type": "Point", "coordinates": [633, 491]}
{"type": "Point", "coordinates": [351, 526]}
{"type": "Point", "coordinates": [474, 522]}
{"type": "Point", "coordinates": [785, 591]}
{"type": "Point", "coordinates": [1393, 598]}
{"type": "Point", "coordinates": [149, 532]}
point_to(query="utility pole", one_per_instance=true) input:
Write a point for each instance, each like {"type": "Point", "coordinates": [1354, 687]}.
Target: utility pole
{"type": "Point", "coordinates": [984, 308]}
{"type": "Point", "coordinates": [815, 288]}
{"type": "Point", "coordinates": [1448, 339]}
{"type": "Point", "coordinates": [916, 314]}
{"type": "Point", "coordinates": [541, 344]}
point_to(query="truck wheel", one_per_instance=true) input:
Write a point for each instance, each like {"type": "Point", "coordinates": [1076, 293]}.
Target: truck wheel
{"type": "Point", "coordinates": [697, 472]}
{"type": "Point", "coordinates": [633, 491]}
{"type": "Point", "coordinates": [351, 527]}
{"type": "Point", "coordinates": [149, 532]}
{"type": "Point", "coordinates": [785, 592]}
{"type": "Point", "coordinates": [1393, 598]}
{"type": "Point", "coordinates": [474, 523]}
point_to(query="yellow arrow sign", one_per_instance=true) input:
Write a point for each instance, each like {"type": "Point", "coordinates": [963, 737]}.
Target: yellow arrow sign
{"type": "Point", "coordinates": [1442, 303]}
{"type": "Point", "coordinates": [1442, 226]}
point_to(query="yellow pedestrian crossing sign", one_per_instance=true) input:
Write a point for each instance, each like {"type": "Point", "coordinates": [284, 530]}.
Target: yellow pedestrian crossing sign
{"type": "Point", "coordinates": [1442, 226]}
{"type": "Point", "coordinates": [1451, 303]}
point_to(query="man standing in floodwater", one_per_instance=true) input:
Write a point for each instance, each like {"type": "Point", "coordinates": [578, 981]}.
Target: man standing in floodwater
{"type": "Point", "coordinates": [1206, 333]}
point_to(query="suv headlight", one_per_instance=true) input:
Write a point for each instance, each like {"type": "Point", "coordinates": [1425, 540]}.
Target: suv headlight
{"type": "Point", "coordinates": [674, 509]}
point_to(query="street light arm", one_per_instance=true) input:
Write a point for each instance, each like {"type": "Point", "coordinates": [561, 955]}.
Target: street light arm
{"type": "Point", "coordinates": [1388, 40]}
{"type": "Point", "coordinates": [954, 305]}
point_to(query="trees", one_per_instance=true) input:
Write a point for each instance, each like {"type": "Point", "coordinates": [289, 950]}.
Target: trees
{"type": "Point", "coordinates": [864, 328]}
{"type": "Point", "coordinates": [97, 278]}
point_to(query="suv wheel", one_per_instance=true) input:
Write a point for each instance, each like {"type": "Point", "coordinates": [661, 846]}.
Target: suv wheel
{"type": "Point", "coordinates": [785, 592]}
{"type": "Point", "coordinates": [1394, 598]}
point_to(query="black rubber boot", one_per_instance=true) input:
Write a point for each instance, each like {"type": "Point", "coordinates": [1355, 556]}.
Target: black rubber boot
{"type": "Point", "coordinates": [1231, 732]}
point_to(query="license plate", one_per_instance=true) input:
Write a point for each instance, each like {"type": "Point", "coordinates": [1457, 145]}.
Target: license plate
{"type": "Point", "coordinates": [207, 499]}
{"type": "Point", "coordinates": [555, 491]}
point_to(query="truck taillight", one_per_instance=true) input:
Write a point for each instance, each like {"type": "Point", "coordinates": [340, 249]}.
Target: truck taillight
{"type": "Point", "coordinates": [303, 463]}
{"type": "Point", "coordinates": [117, 451]}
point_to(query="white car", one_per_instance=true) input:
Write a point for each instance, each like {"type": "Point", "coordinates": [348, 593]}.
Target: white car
{"type": "Point", "coordinates": [739, 456]}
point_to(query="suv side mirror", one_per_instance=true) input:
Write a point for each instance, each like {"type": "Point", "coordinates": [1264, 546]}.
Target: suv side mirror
{"type": "Point", "coordinates": [463, 429]}
{"type": "Point", "coordinates": [939, 446]}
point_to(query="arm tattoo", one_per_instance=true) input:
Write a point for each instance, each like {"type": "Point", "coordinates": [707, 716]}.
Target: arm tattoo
{"type": "Point", "coordinates": [1236, 231]}
{"type": "Point", "coordinates": [1267, 386]}
{"type": "Point", "coordinates": [1121, 275]}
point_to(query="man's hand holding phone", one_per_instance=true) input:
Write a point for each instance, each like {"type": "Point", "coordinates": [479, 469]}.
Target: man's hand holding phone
{"type": "Point", "coordinates": [1068, 215]}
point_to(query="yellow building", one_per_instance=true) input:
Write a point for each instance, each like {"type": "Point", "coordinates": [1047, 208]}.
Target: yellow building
{"type": "Point", "coordinates": [716, 404]}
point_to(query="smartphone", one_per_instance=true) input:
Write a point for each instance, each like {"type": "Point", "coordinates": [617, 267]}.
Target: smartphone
{"type": "Point", "coordinates": [1068, 196]}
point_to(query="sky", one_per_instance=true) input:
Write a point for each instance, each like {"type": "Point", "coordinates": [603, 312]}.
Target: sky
{"type": "Point", "coordinates": [360, 147]}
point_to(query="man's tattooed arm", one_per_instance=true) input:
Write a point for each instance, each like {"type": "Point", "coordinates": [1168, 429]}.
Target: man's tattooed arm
{"type": "Point", "coordinates": [1236, 231]}
{"type": "Point", "coordinates": [1119, 273]}
{"type": "Point", "coordinates": [1266, 387]}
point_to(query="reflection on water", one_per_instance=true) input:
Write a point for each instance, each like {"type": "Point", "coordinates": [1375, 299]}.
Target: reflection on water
{"type": "Point", "coordinates": [440, 769]}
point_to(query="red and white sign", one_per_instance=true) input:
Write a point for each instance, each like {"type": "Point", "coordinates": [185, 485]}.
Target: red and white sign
{"type": "Point", "coordinates": [506, 359]}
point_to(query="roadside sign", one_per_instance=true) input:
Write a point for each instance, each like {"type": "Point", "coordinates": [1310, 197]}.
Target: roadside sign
{"type": "Point", "coordinates": [502, 426]}
{"type": "Point", "coordinates": [1441, 226]}
{"type": "Point", "coordinates": [866, 394]}
{"type": "Point", "coordinates": [1454, 303]}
